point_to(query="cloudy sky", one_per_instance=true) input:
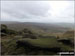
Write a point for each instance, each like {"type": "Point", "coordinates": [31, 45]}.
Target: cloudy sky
{"type": "Point", "coordinates": [37, 11]}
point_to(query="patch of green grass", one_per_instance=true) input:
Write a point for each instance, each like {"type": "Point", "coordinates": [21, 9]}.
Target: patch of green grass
{"type": "Point", "coordinates": [48, 43]}
{"type": "Point", "coordinates": [44, 42]}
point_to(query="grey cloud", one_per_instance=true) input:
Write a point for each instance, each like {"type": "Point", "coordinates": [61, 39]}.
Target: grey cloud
{"type": "Point", "coordinates": [35, 11]}
{"type": "Point", "coordinates": [17, 14]}
{"type": "Point", "coordinates": [28, 8]}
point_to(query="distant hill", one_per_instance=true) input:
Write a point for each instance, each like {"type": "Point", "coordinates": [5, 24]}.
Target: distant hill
{"type": "Point", "coordinates": [68, 25]}
{"type": "Point", "coordinates": [46, 27]}
{"type": "Point", "coordinates": [69, 34]}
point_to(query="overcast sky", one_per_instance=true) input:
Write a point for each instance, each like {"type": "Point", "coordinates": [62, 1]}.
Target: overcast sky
{"type": "Point", "coordinates": [37, 11]}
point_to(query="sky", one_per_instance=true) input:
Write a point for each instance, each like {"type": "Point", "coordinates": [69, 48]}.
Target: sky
{"type": "Point", "coordinates": [38, 11]}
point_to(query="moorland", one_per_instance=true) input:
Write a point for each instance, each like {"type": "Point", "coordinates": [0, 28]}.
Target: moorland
{"type": "Point", "coordinates": [30, 38]}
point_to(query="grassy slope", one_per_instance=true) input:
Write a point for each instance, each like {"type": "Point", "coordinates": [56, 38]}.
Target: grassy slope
{"type": "Point", "coordinates": [9, 43]}
{"type": "Point", "coordinates": [44, 42]}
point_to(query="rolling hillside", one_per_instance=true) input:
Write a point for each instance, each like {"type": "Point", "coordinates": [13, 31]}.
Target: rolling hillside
{"type": "Point", "coordinates": [26, 42]}
{"type": "Point", "coordinates": [47, 27]}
